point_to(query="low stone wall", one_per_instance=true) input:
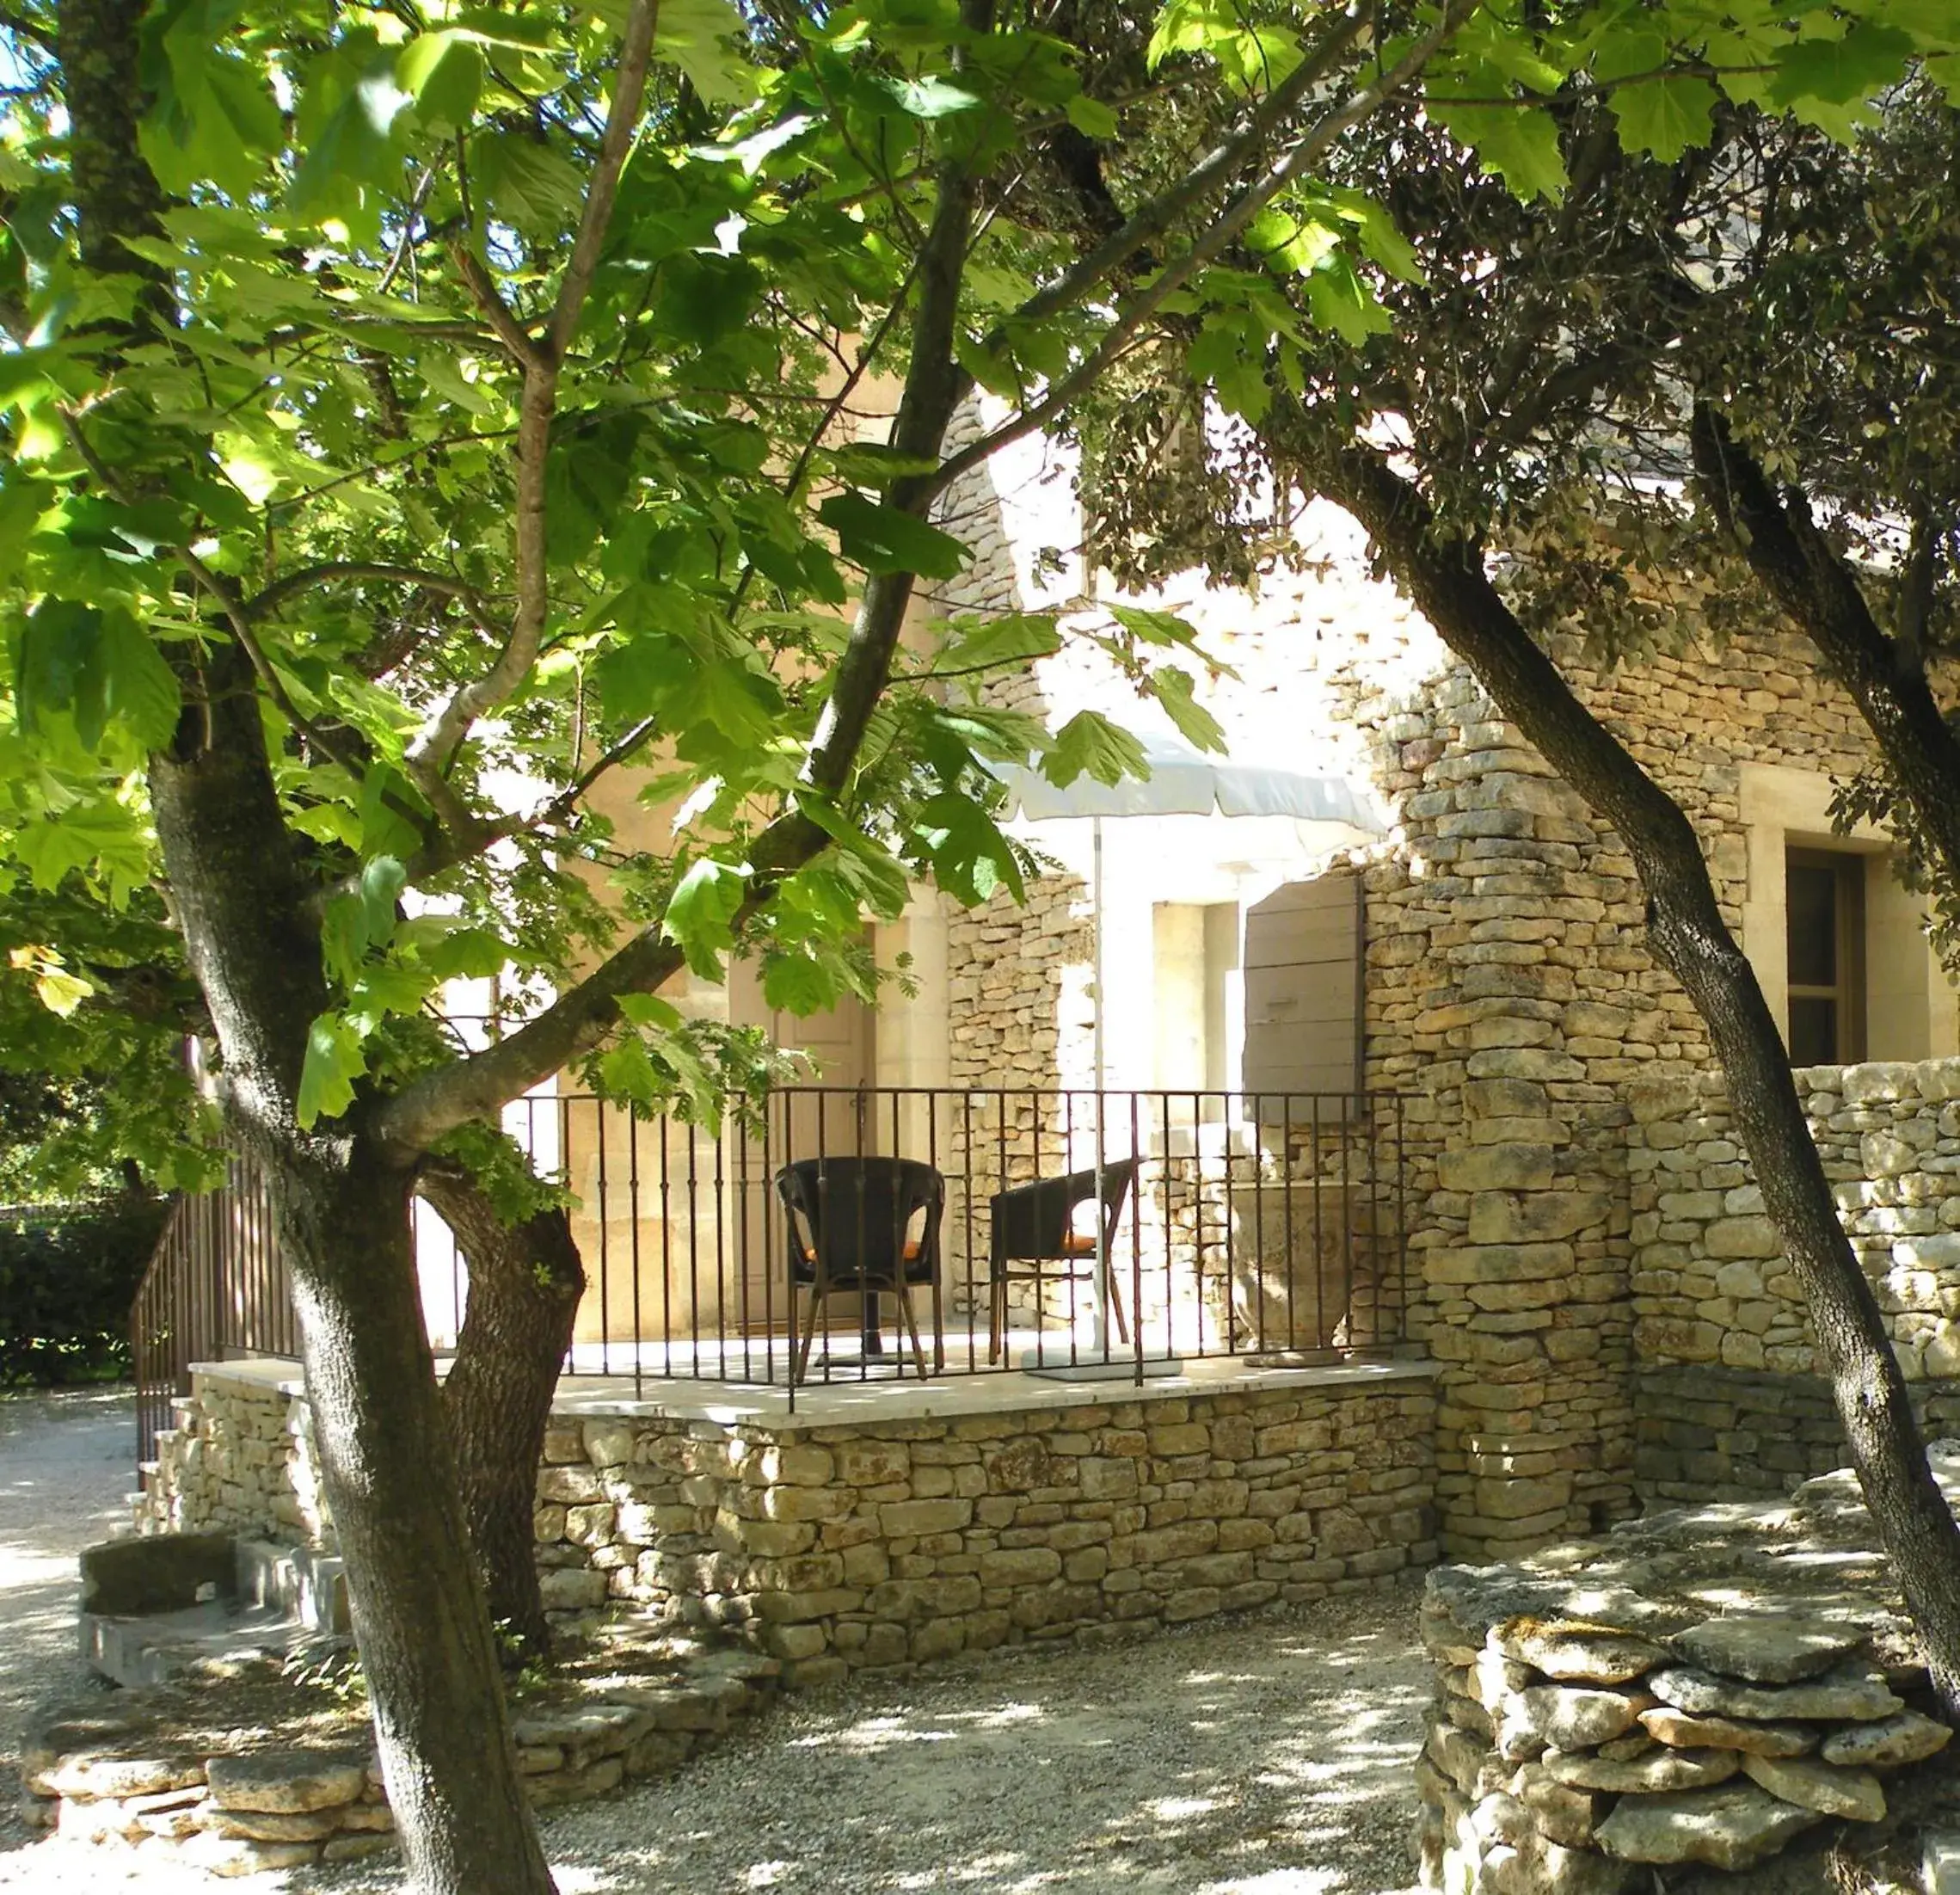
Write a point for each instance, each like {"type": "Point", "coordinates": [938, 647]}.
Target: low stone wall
{"type": "Point", "coordinates": [1728, 1434]}
{"type": "Point", "coordinates": [1703, 1686]}
{"type": "Point", "coordinates": [240, 1458]}
{"type": "Point", "coordinates": [1708, 1281]}
{"type": "Point", "coordinates": [125, 1777]}
{"type": "Point", "coordinates": [894, 1541]}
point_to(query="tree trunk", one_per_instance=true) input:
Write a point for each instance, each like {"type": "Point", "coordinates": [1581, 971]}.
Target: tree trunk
{"type": "Point", "coordinates": [343, 1220]}
{"type": "Point", "coordinates": [525, 1280]}
{"type": "Point", "coordinates": [426, 1647]}
{"type": "Point", "coordinates": [1446, 579]}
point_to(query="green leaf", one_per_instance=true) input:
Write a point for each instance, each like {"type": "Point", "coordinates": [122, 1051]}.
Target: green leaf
{"type": "Point", "coordinates": [983, 644]}
{"type": "Point", "coordinates": [343, 937]}
{"type": "Point", "coordinates": [1666, 116]}
{"type": "Point", "coordinates": [1152, 627]}
{"type": "Point", "coordinates": [871, 464]}
{"type": "Point", "coordinates": [1089, 744]}
{"type": "Point", "coordinates": [1516, 143]}
{"type": "Point", "coordinates": [883, 539]}
{"type": "Point", "coordinates": [699, 36]}
{"type": "Point", "coordinates": [526, 184]}
{"type": "Point", "coordinates": [1338, 299]}
{"type": "Point", "coordinates": [801, 984]}
{"type": "Point", "coordinates": [971, 858]}
{"type": "Point", "coordinates": [1090, 117]}
{"type": "Point", "coordinates": [345, 129]}
{"type": "Point", "coordinates": [1173, 689]}
{"type": "Point", "coordinates": [335, 1058]}
{"type": "Point", "coordinates": [1840, 72]}
{"type": "Point", "coordinates": [443, 73]}
{"type": "Point", "coordinates": [649, 1010]}
{"type": "Point", "coordinates": [930, 98]}
{"type": "Point", "coordinates": [699, 912]}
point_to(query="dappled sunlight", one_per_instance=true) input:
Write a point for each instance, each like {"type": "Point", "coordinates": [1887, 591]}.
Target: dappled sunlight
{"type": "Point", "coordinates": [1253, 1759]}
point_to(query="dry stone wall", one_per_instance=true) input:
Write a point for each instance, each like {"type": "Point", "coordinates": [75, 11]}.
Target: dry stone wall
{"type": "Point", "coordinates": [1710, 1282]}
{"type": "Point", "coordinates": [883, 1543]}
{"type": "Point", "coordinates": [240, 1458]}
{"type": "Point", "coordinates": [1686, 1691]}
{"type": "Point", "coordinates": [127, 1775]}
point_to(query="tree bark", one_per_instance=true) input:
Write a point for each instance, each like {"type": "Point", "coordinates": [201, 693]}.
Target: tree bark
{"type": "Point", "coordinates": [1819, 594]}
{"type": "Point", "coordinates": [1446, 579]}
{"type": "Point", "coordinates": [343, 1219]}
{"type": "Point", "coordinates": [525, 1280]}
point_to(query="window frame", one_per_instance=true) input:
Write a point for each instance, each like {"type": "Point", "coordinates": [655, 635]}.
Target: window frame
{"type": "Point", "coordinates": [1847, 871]}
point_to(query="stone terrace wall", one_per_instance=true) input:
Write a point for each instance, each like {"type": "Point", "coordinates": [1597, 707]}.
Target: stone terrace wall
{"type": "Point", "coordinates": [240, 1459]}
{"type": "Point", "coordinates": [884, 1543]}
{"type": "Point", "coordinates": [1706, 1685]}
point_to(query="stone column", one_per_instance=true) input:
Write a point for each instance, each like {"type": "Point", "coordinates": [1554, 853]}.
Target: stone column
{"type": "Point", "coordinates": [1502, 928]}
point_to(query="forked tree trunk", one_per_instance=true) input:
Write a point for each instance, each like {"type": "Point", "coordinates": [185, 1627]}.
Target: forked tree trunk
{"type": "Point", "coordinates": [525, 1280]}
{"type": "Point", "coordinates": [427, 1648]}
{"type": "Point", "coordinates": [1447, 581]}
{"type": "Point", "coordinates": [343, 1220]}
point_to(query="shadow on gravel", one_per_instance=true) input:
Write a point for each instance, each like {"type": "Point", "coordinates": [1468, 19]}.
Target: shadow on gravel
{"type": "Point", "coordinates": [1283, 1771]}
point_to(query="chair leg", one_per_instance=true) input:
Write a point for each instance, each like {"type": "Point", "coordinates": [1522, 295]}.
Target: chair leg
{"type": "Point", "coordinates": [809, 1327]}
{"type": "Point", "coordinates": [911, 1324]}
{"type": "Point", "coordinates": [1114, 1298]}
{"type": "Point", "coordinates": [997, 1317]}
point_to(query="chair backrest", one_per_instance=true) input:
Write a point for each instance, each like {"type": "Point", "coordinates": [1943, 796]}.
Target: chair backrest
{"type": "Point", "coordinates": [857, 1211]}
{"type": "Point", "coordinates": [1031, 1221]}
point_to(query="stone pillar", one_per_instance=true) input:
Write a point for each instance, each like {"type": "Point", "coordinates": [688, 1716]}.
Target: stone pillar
{"type": "Point", "coordinates": [1514, 897]}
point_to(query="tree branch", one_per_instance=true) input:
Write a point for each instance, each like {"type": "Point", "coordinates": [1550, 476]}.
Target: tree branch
{"type": "Point", "coordinates": [1216, 239]}
{"type": "Point", "coordinates": [1818, 591]}
{"type": "Point", "coordinates": [471, 1087]}
{"type": "Point", "coordinates": [265, 603]}
{"type": "Point", "coordinates": [636, 54]}
{"type": "Point", "coordinates": [541, 359]}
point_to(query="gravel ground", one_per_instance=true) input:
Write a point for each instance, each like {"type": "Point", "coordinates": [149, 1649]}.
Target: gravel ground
{"type": "Point", "coordinates": [1269, 1757]}
{"type": "Point", "coordinates": [67, 1461]}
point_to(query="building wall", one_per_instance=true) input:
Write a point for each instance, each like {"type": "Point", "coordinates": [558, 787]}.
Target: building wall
{"type": "Point", "coordinates": [1510, 996]}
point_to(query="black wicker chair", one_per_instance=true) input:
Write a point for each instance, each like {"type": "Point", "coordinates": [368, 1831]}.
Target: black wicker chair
{"type": "Point", "coordinates": [850, 1227]}
{"type": "Point", "coordinates": [1035, 1224]}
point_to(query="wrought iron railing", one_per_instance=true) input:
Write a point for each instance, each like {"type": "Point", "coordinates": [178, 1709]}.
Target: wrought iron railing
{"type": "Point", "coordinates": [215, 1287]}
{"type": "Point", "coordinates": [954, 1230]}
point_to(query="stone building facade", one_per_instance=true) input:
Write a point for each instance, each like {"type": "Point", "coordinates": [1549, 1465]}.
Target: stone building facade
{"type": "Point", "coordinates": [1509, 995]}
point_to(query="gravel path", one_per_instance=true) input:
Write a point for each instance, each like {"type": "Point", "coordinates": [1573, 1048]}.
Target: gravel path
{"type": "Point", "coordinates": [1269, 1757]}
{"type": "Point", "coordinates": [67, 1462]}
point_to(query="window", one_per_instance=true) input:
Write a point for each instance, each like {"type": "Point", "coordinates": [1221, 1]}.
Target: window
{"type": "Point", "coordinates": [1825, 909]}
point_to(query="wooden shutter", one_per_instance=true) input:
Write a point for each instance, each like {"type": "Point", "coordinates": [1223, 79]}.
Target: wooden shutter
{"type": "Point", "coordinates": [1302, 988]}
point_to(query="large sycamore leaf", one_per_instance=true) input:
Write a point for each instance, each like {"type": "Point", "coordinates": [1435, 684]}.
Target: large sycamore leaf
{"type": "Point", "coordinates": [1664, 117]}
{"type": "Point", "coordinates": [700, 910]}
{"type": "Point", "coordinates": [1089, 744]}
{"type": "Point", "coordinates": [1515, 141]}
{"type": "Point", "coordinates": [881, 539]}
{"type": "Point", "coordinates": [334, 1060]}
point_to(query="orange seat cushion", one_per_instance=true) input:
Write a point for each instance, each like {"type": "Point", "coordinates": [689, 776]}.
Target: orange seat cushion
{"type": "Point", "coordinates": [912, 1245]}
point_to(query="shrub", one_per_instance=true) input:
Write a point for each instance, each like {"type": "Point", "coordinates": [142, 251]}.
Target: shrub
{"type": "Point", "coordinates": [68, 1277]}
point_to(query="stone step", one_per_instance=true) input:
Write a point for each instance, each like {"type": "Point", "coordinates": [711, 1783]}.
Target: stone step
{"type": "Point", "coordinates": [309, 1587]}
{"type": "Point", "coordinates": [163, 1646]}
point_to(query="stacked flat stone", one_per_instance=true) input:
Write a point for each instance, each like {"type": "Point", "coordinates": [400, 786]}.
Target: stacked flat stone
{"type": "Point", "coordinates": [239, 1457]}
{"type": "Point", "coordinates": [1710, 1284]}
{"type": "Point", "coordinates": [838, 1548]}
{"type": "Point", "coordinates": [1684, 1691]}
{"type": "Point", "coordinates": [115, 1779]}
